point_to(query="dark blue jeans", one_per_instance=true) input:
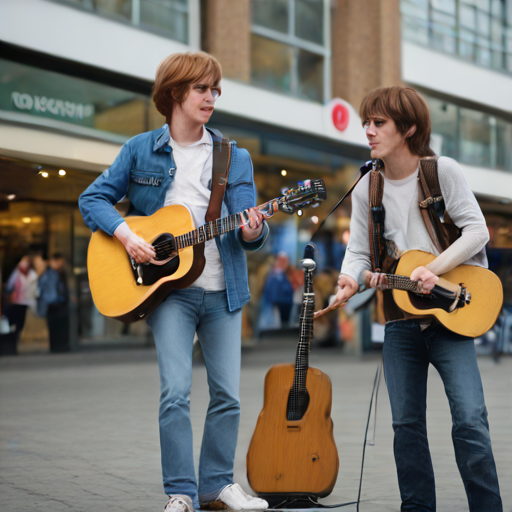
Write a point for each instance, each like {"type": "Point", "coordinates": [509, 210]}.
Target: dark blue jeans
{"type": "Point", "coordinates": [408, 352]}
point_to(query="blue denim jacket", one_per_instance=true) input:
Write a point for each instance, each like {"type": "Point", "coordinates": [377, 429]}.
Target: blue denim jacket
{"type": "Point", "coordinates": [144, 170]}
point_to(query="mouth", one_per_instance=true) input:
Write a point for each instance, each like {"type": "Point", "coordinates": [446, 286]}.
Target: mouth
{"type": "Point", "coordinates": [209, 110]}
{"type": "Point", "coordinates": [373, 144]}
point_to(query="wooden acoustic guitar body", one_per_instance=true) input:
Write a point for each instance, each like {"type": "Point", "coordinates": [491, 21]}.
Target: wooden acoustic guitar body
{"type": "Point", "coordinates": [293, 458]}
{"type": "Point", "coordinates": [113, 287]}
{"type": "Point", "coordinates": [475, 318]}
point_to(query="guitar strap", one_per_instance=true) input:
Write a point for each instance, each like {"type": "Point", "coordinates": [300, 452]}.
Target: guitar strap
{"type": "Point", "coordinates": [443, 232]}
{"type": "Point", "coordinates": [376, 217]}
{"type": "Point", "coordinates": [221, 161]}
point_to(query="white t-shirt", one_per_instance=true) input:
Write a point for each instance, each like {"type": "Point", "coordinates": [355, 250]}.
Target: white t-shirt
{"type": "Point", "coordinates": [404, 224]}
{"type": "Point", "coordinates": [191, 188]}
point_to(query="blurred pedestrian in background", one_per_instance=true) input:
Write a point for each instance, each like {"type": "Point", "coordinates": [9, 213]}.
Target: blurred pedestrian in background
{"type": "Point", "coordinates": [21, 293]}
{"type": "Point", "coordinates": [53, 302]}
{"type": "Point", "coordinates": [277, 294]}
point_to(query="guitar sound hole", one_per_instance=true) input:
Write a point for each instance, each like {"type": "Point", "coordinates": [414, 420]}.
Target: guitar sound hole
{"type": "Point", "coordinates": [298, 402]}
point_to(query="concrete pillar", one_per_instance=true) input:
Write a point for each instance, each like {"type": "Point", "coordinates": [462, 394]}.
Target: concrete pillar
{"type": "Point", "coordinates": [226, 34]}
{"type": "Point", "coordinates": [366, 44]}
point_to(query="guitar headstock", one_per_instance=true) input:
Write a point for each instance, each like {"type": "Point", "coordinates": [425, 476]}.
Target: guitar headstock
{"type": "Point", "coordinates": [309, 193]}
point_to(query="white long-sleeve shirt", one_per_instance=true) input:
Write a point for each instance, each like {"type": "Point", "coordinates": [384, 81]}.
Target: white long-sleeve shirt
{"type": "Point", "coordinates": [404, 224]}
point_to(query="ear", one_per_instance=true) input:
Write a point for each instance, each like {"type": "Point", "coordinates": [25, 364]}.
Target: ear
{"type": "Point", "coordinates": [411, 131]}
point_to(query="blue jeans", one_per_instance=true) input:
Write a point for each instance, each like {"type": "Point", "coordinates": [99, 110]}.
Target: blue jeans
{"type": "Point", "coordinates": [408, 352]}
{"type": "Point", "coordinates": [173, 324]}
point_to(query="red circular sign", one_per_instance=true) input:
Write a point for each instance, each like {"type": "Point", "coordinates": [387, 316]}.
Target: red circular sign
{"type": "Point", "coordinates": [340, 117]}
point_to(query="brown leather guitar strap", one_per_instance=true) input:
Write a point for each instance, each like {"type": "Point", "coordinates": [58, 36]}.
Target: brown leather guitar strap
{"type": "Point", "coordinates": [376, 219]}
{"type": "Point", "coordinates": [440, 227]}
{"type": "Point", "coordinates": [220, 173]}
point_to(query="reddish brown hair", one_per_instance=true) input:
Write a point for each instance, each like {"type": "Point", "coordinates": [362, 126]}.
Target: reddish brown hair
{"type": "Point", "coordinates": [406, 107]}
{"type": "Point", "coordinates": [176, 73]}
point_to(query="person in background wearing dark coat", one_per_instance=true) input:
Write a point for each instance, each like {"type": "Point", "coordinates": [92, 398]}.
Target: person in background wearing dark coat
{"type": "Point", "coordinates": [53, 302]}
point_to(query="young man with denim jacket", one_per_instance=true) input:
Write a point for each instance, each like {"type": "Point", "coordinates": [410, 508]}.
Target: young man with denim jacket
{"type": "Point", "coordinates": [173, 165]}
{"type": "Point", "coordinates": [397, 123]}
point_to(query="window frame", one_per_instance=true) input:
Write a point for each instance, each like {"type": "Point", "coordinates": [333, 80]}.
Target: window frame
{"type": "Point", "coordinates": [461, 31]}
{"type": "Point", "coordinates": [194, 28]}
{"type": "Point", "coordinates": [293, 41]}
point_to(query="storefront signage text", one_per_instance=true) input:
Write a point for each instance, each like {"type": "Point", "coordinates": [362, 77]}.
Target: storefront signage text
{"type": "Point", "coordinates": [56, 107]}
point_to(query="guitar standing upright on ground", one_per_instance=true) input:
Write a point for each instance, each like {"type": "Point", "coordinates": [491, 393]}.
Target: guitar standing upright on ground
{"type": "Point", "coordinates": [398, 207]}
{"type": "Point", "coordinates": [174, 165]}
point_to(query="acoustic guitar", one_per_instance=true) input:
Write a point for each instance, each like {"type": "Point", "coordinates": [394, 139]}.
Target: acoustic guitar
{"type": "Point", "coordinates": [292, 456]}
{"type": "Point", "coordinates": [128, 291]}
{"type": "Point", "coordinates": [467, 300]}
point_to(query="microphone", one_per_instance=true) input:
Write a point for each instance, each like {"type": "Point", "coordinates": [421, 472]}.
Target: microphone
{"type": "Point", "coordinates": [309, 251]}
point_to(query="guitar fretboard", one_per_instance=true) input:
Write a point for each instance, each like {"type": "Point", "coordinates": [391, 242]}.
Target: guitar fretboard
{"type": "Point", "coordinates": [298, 392]}
{"type": "Point", "coordinates": [403, 283]}
{"type": "Point", "coordinates": [209, 231]}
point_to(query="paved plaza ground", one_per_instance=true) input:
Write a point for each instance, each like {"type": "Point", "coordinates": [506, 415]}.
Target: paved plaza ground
{"type": "Point", "coordinates": [79, 432]}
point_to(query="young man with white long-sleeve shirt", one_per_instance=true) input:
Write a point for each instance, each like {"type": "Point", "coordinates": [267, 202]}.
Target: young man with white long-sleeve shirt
{"type": "Point", "coordinates": [397, 124]}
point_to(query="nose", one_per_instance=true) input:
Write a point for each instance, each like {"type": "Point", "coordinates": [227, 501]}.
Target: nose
{"type": "Point", "coordinates": [209, 96]}
{"type": "Point", "coordinates": [370, 129]}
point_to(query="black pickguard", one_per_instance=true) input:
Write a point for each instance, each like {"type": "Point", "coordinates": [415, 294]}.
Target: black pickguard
{"type": "Point", "coordinates": [151, 273]}
{"type": "Point", "coordinates": [438, 298]}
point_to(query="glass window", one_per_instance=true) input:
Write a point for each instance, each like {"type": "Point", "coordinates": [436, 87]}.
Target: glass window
{"type": "Point", "coordinates": [484, 5]}
{"type": "Point", "coordinates": [117, 8]}
{"type": "Point", "coordinates": [497, 8]}
{"type": "Point", "coordinates": [169, 16]}
{"type": "Point", "coordinates": [270, 14]}
{"type": "Point", "coordinates": [468, 17]}
{"type": "Point", "coordinates": [503, 145]}
{"type": "Point", "coordinates": [443, 38]}
{"type": "Point", "coordinates": [483, 51]}
{"type": "Point", "coordinates": [447, 6]}
{"type": "Point", "coordinates": [310, 71]}
{"type": "Point", "coordinates": [483, 23]}
{"type": "Point", "coordinates": [470, 136]}
{"type": "Point", "coordinates": [444, 125]}
{"type": "Point", "coordinates": [467, 45]}
{"type": "Point", "coordinates": [309, 20]}
{"type": "Point", "coordinates": [288, 52]}
{"type": "Point", "coordinates": [416, 30]}
{"type": "Point", "coordinates": [416, 9]}
{"type": "Point", "coordinates": [475, 137]}
{"type": "Point", "coordinates": [271, 63]}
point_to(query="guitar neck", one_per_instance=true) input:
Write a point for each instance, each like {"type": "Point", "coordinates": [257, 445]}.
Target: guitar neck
{"type": "Point", "coordinates": [218, 227]}
{"type": "Point", "coordinates": [305, 335]}
{"type": "Point", "coordinates": [403, 283]}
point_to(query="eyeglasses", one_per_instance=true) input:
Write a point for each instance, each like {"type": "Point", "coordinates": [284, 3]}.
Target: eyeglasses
{"type": "Point", "coordinates": [203, 88]}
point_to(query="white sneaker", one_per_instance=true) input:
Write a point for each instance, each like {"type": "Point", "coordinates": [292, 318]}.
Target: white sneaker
{"type": "Point", "coordinates": [179, 503]}
{"type": "Point", "coordinates": [236, 499]}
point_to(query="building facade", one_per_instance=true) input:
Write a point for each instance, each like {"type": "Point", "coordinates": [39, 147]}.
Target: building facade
{"type": "Point", "coordinates": [75, 84]}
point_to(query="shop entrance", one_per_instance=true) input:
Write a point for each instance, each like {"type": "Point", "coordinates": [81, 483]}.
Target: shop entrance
{"type": "Point", "coordinates": [39, 217]}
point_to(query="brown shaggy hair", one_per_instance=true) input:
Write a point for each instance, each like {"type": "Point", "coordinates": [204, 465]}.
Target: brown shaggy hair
{"type": "Point", "coordinates": [176, 73]}
{"type": "Point", "coordinates": [406, 107]}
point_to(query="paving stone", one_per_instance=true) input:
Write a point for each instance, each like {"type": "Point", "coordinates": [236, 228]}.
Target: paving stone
{"type": "Point", "coordinates": [79, 432]}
